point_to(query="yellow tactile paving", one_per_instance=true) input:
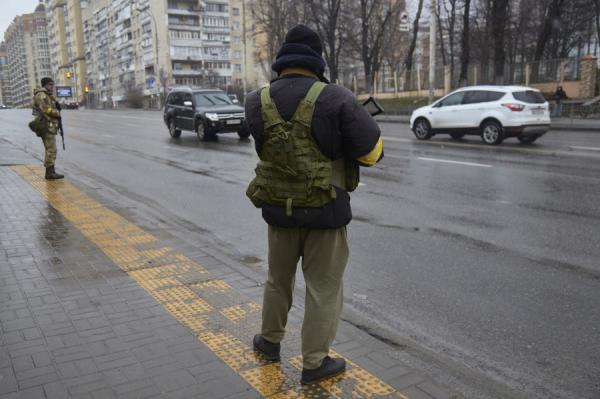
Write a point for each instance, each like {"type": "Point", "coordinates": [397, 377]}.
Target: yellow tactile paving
{"type": "Point", "coordinates": [239, 312]}
{"type": "Point", "coordinates": [214, 286]}
{"type": "Point", "coordinates": [161, 272]}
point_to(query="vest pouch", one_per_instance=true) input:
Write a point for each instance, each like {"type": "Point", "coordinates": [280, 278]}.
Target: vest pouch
{"type": "Point", "coordinates": [37, 127]}
{"type": "Point", "coordinates": [352, 175]}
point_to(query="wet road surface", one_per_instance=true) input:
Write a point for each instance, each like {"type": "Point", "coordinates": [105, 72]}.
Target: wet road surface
{"type": "Point", "coordinates": [482, 262]}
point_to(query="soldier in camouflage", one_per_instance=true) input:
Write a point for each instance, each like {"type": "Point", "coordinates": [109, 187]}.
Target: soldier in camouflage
{"type": "Point", "coordinates": [47, 114]}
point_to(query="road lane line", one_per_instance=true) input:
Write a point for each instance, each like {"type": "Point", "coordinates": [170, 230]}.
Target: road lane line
{"type": "Point", "coordinates": [481, 165]}
{"type": "Point", "coordinates": [213, 310]}
{"type": "Point", "coordinates": [576, 147]}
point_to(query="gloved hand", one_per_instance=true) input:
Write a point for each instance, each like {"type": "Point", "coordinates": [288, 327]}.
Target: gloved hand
{"type": "Point", "coordinates": [57, 105]}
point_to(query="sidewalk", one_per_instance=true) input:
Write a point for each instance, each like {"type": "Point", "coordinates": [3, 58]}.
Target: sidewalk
{"type": "Point", "coordinates": [94, 306]}
{"type": "Point", "coordinates": [589, 125]}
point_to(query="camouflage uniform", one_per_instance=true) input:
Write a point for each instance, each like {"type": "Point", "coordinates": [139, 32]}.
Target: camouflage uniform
{"type": "Point", "coordinates": [46, 113]}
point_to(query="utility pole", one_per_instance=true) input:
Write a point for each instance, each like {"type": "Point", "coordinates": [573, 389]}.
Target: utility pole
{"type": "Point", "coordinates": [432, 46]}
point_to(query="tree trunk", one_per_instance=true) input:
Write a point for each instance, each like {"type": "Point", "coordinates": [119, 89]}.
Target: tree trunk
{"type": "Point", "coordinates": [408, 61]}
{"type": "Point", "coordinates": [499, 16]}
{"type": "Point", "coordinates": [465, 50]}
{"type": "Point", "coordinates": [441, 34]}
{"type": "Point", "coordinates": [551, 16]}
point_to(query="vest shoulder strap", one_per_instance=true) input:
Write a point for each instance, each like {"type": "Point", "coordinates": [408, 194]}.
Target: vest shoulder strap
{"type": "Point", "coordinates": [270, 114]}
{"type": "Point", "coordinates": [304, 113]}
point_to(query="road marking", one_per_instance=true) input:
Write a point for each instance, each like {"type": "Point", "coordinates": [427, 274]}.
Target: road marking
{"type": "Point", "coordinates": [221, 317]}
{"type": "Point", "coordinates": [576, 147]}
{"type": "Point", "coordinates": [481, 165]}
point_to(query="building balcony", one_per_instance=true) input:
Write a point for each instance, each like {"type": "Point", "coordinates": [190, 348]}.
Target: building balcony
{"type": "Point", "coordinates": [184, 11]}
{"type": "Point", "coordinates": [184, 57]}
{"type": "Point", "coordinates": [216, 29]}
{"type": "Point", "coordinates": [188, 72]}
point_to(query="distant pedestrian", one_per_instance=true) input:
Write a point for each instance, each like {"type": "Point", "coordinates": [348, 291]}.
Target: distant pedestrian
{"type": "Point", "coordinates": [559, 95]}
{"type": "Point", "coordinates": [46, 112]}
{"type": "Point", "coordinates": [310, 137]}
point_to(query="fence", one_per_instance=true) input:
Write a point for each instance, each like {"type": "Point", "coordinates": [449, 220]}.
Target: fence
{"type": "Point", "coordinates": [542, 74]}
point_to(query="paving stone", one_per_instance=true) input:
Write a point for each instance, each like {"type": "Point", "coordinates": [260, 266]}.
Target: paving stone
{"type": "Point", "coordinates": [32, 393]}
{"type": "Point", "coordinates": [175, 380]}
{"type": "Point", "coordinates": [56, 390]}
{"type": "Point", "coordinates": [416, 393]}
{"type": "Point", "coordinates": [407, 380]}
{"type": "Point", "coordinates": [436, 391]}
{"type": "Point", "coordinates": [8, 382]}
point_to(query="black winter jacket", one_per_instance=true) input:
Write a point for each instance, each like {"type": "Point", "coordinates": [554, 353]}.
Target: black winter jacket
{"type": "Point", "coordinates": [341, 127]}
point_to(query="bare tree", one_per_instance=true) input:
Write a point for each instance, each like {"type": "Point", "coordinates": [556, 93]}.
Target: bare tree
{"type": "Point", "coordinates": [465, 48]}
{"type": "Point", "coordinates": [273, 18]}
{"type": "Point", "coordinates": [499, 17]}
{"type": "Point", "coordinates": [597, 18]}
{"type": "Point", "coordinates": [395, 47]}
{"type": "Point", "coordinates": [552, 14]}
{"type": "Point", "coordinates": [373, 17]}
{"type": "Point", "coordinates": [408, 60]}
{"type": "Point", "coordinates": [326, 16]}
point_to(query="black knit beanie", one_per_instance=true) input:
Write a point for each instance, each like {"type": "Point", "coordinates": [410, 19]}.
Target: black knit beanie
{"type": "Point", "coordinates": [302, 49]}
{"type": "Point", "coordinates": [46, 81]}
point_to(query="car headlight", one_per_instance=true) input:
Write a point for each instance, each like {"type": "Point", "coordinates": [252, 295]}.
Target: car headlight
{"type": "Point", "coordinates": [212, 116]}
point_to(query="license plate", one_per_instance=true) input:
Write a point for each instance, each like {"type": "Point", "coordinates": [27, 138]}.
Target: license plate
{"type": "Point", "coordinates": [232, 122]}
{"type": "Point", "coordinates": [537, 111]}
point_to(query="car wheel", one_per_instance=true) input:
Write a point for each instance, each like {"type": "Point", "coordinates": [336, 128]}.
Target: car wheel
{"type": "Point", "coordinates": [491, 133]}
{"type": "Point", "coordinates": [527, 139]}
{"type": "Point", "coordinates": [173, 131]}
{"type": "Point", "coordinates": [457, 136]}
{"type": "Point", "coordinates": [422, 129]}
{"type": "Point", "coordinates": [203, 133]}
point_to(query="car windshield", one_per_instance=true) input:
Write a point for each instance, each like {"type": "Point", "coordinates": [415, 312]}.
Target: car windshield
{"type": "Point", "coordinates": [211, 99]}
{"type": "Point", "coordinates": [529, 96]}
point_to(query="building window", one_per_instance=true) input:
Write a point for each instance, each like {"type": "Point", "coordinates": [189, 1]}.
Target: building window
{"type": "Point", "coordinates": [236, 11]}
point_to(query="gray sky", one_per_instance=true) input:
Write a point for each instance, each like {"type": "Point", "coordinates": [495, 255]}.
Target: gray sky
{"type": "Point", "coordinates": [9, 9]}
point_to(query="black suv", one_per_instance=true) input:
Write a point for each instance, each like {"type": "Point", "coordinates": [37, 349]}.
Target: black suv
{"type": "Point", "coordinates": [204, 111]}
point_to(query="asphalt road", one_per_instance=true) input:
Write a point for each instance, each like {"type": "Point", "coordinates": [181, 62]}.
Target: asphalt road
{"type": "Point", "coordinates": [481, 264]}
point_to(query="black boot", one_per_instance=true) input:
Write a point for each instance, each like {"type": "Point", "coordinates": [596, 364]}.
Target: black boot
{"type": "Point", "coordinates": [329, 368]}
{"type": "Point", "coordinates": [268, 350]}
{"type": "Point", "coordinates": [52, 175]}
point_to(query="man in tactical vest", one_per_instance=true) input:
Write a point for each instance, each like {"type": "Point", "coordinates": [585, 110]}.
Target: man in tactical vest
{"type": "Point", "coordinates": [310, 137]}
{"type": "Point", "coordinates": [46, 115]}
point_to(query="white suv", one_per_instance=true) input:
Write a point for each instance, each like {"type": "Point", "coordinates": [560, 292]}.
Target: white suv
{"type": "Point", "coordinates": [492, 112]}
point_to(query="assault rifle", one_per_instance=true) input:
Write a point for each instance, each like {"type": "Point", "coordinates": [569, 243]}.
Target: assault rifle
{"type": "Point", "coordinates": [62, 132]}
{"type": "Point", "coordinates": [60, 125]}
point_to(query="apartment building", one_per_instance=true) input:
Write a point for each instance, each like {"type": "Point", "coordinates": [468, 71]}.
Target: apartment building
{"type": "Point", "coordinates": [3, 71]}
{"type": "Point", "coordinates": [28, 56]}
{"type": "Point", "coordinates": [200, 42]}
{"type": "Point", "coordinates": [152, 45]}
{"type": "Point", "coordinates": [247, 74]}
{"type": "Point", "coordinates": [65, 35]}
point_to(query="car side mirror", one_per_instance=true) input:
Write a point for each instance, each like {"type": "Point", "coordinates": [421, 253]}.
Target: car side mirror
{"type": "Point", "coordinates": [188, 104]}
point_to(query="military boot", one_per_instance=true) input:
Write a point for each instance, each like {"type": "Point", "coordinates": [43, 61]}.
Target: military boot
{"type": "Point", "coordinates": [330, 367]}
{"type": "Point", "coordinates": [52, 175]}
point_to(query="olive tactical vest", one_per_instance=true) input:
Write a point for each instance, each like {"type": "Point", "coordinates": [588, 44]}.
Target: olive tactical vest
{"type": "Point", "coordinates": [292, 170]}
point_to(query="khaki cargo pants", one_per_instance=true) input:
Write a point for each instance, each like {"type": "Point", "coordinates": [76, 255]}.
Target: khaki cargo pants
{"type": "Point", "coordinates": [49, 141]}
{"type": "Point", "coordinates": [324, 256]}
